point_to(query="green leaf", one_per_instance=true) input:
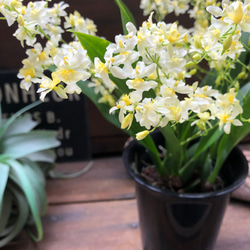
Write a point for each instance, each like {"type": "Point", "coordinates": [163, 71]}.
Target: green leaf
{"type": "Point", "coordinates": [174, 151]}
{"type": "Point", "coordinates": [13, 230]}
{"type": "Point", "coordinates": [229, 141]}
{"type": "Point", "coordinates": [37, 180]}
{"type": "Point", "coordinates": [4, 170]}
{"type": "Point", "coordinates": [25, 185]}
{"type": "Point", "coordinates": [23, 124]}
{"type": "Point", "coordinates": [113, 119]}
{"type": "Point", "coordinates": [95, 46]}
{"type": "Point", "coordinates": [33, 171]}
{"type": "Point", "coordinates": [6, 211]}
{"type": "Point", "coordinates": [208, 140]}
{"type": "Point", "coordinates": [244, 91]}
{"type": "Point", "coordinates": [126, 15]}
{"type": "Point", "coordinates": [14, 117]}
{"type": "Point", "coordinates": [103, 108]}
{"type": "Point", "coordinates": [48, 155]}
{"type": "Point", "coordinates": [1, 115]}
{"type": "Point", "coordinates": [20, 145]}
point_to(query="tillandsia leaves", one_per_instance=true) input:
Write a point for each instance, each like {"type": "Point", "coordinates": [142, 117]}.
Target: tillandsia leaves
{"type": "Point", "coordinates": [23, 152]}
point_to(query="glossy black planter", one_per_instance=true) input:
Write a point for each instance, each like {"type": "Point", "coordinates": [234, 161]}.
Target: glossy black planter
{"type": "Point", "coordinates": [173, 221]}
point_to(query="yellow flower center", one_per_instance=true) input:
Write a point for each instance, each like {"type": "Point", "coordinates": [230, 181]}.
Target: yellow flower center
{"type": "Point", "coordinates": [224, 118]}
{"type": "Point", "coordinates": [126, 99]}
{"type": "Point", "coordinates": [136, 83]}
{"type": "Point", "coordinates": [66, 74]}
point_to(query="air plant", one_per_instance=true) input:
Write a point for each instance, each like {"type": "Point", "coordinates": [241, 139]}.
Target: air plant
{"type": "Point", "coordinates": [26, 156]}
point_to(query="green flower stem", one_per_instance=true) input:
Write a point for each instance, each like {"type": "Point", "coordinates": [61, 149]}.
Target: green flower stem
{"type": "Point", "coordinates": [149, 144]}
{"type": "Point", "coordinates": [172, 161]}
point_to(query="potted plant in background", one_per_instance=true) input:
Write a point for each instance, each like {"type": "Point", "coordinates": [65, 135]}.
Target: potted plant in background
{"type": "Point", "coordinates": [144, 82]}
{"type": "Point", "coordinates": [26, 157]}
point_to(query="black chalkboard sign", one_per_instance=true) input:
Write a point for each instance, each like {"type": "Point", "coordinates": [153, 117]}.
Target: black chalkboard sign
{"type": "Point", "coordinates": [69, 117]}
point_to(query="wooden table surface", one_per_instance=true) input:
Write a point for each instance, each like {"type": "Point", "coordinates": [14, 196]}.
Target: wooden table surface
{"type": "Point", "coordinates": [97, 211]}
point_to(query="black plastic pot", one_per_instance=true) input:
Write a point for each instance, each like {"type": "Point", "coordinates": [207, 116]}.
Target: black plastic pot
{"type": "Point", "coordinates": [187, 221]}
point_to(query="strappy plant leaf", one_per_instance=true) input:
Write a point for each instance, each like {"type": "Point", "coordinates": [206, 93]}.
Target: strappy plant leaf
{"type": "Point", "coordinates": [23, 151]}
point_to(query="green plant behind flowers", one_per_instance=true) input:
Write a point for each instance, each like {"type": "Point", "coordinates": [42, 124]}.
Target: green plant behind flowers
{"type": "Point", "coordinates": [139, 82]}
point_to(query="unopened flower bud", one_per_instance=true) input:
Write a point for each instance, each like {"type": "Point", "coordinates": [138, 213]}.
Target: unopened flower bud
{"type": "Point", "coordinates": [204, 116]}
{"type": "Point", "coordinates": [196, 57]}
{"type": "Point", "coordinates": [237, 85]}
{"type": "Point", "coordinates": [127, 121]}
{"type": "Point", "coordinates": [142, 135]}
{"type": "Point", "coordinates": [227, 43]}
{"type": "Point", "coordinates": [218, 81]}
{"type": "Point", "coordinates": [241, 75]}
{"type": "Point", "coordinates": [197, 43]}
{"type": "Point", "coordinates": [20, 20]}
{"type": "Point", "coordinates": [189, 64]}
{"type": "Point", "coordinates": [193, 72]}
{"type": "Point", "coordinates": [180, 75]}
{"type": "Point", "coordinates": [201, 125]}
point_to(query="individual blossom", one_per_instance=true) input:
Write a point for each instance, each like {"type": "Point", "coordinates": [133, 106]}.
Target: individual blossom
{"type": "Point", "coordinates": [203, 120]}
{"type": "Point", "coordinates": [232, 13]}
{"type": "Point", "coordinates": [39, 56]}
{"type": "Point", "coordinates": [80, 24]}
{"type": "Point", "coordinates": [146, 113]}
{"type": "Point", "coordinates": [101, 71]}
{"type": "Point", "coordinates": [58, 11]}
{"type": "Point", "coordinates": [8, 12]}
{"type": "Point", "coordinates": [72, 67]}
{"type": "Point", "coordinates": [26, 31]}
{"type": "Point", "coordinates": [121, 55]}
{"type": "Point", "coordinates": [124, 105]}
{"type": "Point", "coordinates": [28, 74]}
{"type": "Point", "coordinates": [226, 109]}
{"type": "Point", "coordinates": [138, 83]}
{"type": "Point", "coordinates": [172, 86]}
{"type": "Point", "coordinates": [164, 7]}
{"type": "Point", "coordinates": [99, 89]}
{"type": "Point", "coordinates": [47, 85]}
{"type": "Point", "coordinates": [37, 12]}
{"type": "Point", "coordinates": [227, 119]}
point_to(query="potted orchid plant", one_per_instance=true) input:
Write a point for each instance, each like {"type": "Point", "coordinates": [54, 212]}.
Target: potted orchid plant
{"type": "Point", "coordinates": [190, 84]}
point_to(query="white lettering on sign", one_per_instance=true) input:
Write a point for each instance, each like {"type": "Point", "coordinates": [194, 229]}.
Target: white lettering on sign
{"type": "Point", "coordinates": [11, 93]}
{"type": "Point", "coordinates": [67, 151]}
{"type": "Point", "coordinates": [63, 133]}
{"type": "Point", "coordinates": [50, 117]}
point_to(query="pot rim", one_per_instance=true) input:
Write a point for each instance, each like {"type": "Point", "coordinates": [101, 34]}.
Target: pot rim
{"type": "Point", "coordinates": [217, 193]}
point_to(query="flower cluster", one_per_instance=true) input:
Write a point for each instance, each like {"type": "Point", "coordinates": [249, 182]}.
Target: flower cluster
{"type": "Point", "coordinates": [38, 19]}
{"type": "Point", "coordinates": [154, 61]}
{"type": "Point", "coordinates": [155, 57]}
{"type": "Point", "coordinates": [190, 83]}
{"type": "Point", "coordinates": [164, 7]}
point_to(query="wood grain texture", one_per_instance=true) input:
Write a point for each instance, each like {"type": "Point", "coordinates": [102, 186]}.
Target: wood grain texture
{"type": "Point", "coordinates": [235, 229]}
{"type": "Point", "coordinates": [97, 211]}
{"type": "Point", "coordinates": [91, 226]}
{"type": "Point", "coordinates": [106, 180]}
{"type": "Point", "coordinates": [113, 225]}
